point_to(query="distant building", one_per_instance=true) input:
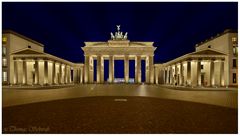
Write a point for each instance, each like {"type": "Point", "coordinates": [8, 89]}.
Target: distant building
{"type": "Point", "coordinates": [214, 63]}
{"type": "Point", "coordinates": [24, 62]}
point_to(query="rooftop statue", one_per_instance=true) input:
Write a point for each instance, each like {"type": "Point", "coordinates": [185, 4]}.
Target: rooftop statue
{"type": "Point", "coordinates": [118, 35]}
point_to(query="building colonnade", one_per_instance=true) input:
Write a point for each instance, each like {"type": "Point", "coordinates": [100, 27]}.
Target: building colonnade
{"type": "Point", "coordinates": [29, 71]}
{"type": "Point", "coordinates": [195, 72]}
{"type": "Point", "coordinates": [89, 68]}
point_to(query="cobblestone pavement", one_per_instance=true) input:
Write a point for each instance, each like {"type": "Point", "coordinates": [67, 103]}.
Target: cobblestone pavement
{"type": "Point", "coordinates": [18, 96]}
{"type": "Point", "coordinates": [118, 114]}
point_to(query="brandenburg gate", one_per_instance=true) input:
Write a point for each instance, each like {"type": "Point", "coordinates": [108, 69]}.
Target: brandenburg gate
{"type": "Point", "coordinates": [118, 48]}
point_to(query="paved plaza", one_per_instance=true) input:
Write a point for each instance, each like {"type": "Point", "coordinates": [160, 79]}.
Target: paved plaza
{"type": "Point", "coordinates": [217, 96]}
{"type": "Point", "coordinates": [119, 108]}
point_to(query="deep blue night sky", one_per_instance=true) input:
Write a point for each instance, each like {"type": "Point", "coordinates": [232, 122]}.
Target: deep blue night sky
{"type": "Point", "coordinates": [174, 27]}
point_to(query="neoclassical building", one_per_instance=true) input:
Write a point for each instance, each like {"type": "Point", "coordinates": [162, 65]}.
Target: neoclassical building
{"type": "Point", "coordinates": [24, 62]}
{"type": "Point", "coordinates": [118, 48]}
{"type": "Point", "coordinates": [213, 64]}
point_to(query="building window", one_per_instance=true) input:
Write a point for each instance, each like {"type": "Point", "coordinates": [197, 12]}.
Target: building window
{"type": "Point", "coordinates": [234, 78]}
{"type": "Point", "coordinates": [234, 39]}
{"type": "Point", "coordinates": [234, 63]}
{"type": "Point", "coordinates": [4, 76]}
{"type": "Point", "coordinates": [4, 62]}
{"type": "Point", "coordinates": [4, 39]}
{"type": "Point", "coordinates": [4, 50]}
{"type": "Point", "coordinates": [209, 46]}
{"type": "Point", "coordinates": [235, 49]}
{"type": "Point", "coordinates": [29, 46]}
{"type": "Point", "coordinates": [201, 66]}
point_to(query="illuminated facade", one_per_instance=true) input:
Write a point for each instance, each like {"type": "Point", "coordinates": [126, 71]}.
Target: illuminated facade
{"type": "Point", "coordinates": [26, 63]}
{"type": "Point", "coordinates": [118, 48]}
{"type": "Point", "coordinates": [214, 63]}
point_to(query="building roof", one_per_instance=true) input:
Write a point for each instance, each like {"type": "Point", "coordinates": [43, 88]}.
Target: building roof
{"type": "Point", "coordinates": [22, 36]}
{"type": "Point", "coordinates": [218, 35]}
{"type": "Point", "coordinates": [205, 53]}
{"type": "Point", "coordinates": [28, 52]}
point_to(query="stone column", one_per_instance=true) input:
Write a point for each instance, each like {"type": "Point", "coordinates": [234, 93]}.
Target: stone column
{"type": "Point", "coordinates": [181, 73]}
{"type": "Point", "coordinates": [99, 69]}
{"type": "Point", "coordinates": [189, 73]}
{"type": "Point", "coordinates": [19, 71]}
{"type": "Point", "coordinates": [86, 69]}
{"type": "Point", "coordinates": [75, 75]}
{"type": "Point", "coordinates": [138, 69]}
{"type": "Point", "coordinates": [212, 73]}
{"type": "Point", "coordinates": [102, 70]}
{"type": "Point", "coordinates": [91, 69]}
{"type": "Point", "coordinates": [147, 70]}
{"type": "Point", "coordinates": [164, 76]}
{"type": "Point", "coordinates": [53, 73]}
{"type": "Point", "coordinates": [45, 72]}
{"type": "Point", "coordinates": [29, 71]}
{"type": "Point", "coordinates": [57, 72]}
{"type": "Point", "coordinates": [175, 76]}
{"type": "Point", "coordinates": [157, 71]}
{"type": "Point", "coordinates": [60, 73]}
{"type": "Point", "coordinates": [198, 72]}
{"type": "Point", "coordinates": [24, 72]}
{"type": "Point", "coordinates": [151, 70]}
{"type": "Point", "coordinates": [15, 81]}
{"type": "Point", "coordinates": [81, 75]}
{"type": "Point", "coordinates": [36, 72]}
{"type": "Point", "coordinates": [111, 69]}
{"type": "Point", "coordinates": [168, 79]}
{"type": "Point", "coordinates": [126, 68]}
{"type": "Point", "coordinates": [64, 73]}
{"type": "Point", "coordinates": [69, 74]}
{"type": "Point", "coordinates": [222, 73]}
{"type": "Point", "coordinates": [170, 75]}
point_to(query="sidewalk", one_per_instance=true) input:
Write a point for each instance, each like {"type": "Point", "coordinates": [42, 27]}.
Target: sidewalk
{"type": "Point", "coordinates": [188, 88]}
{"type": "Point", "coordinates": [37, 86]}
